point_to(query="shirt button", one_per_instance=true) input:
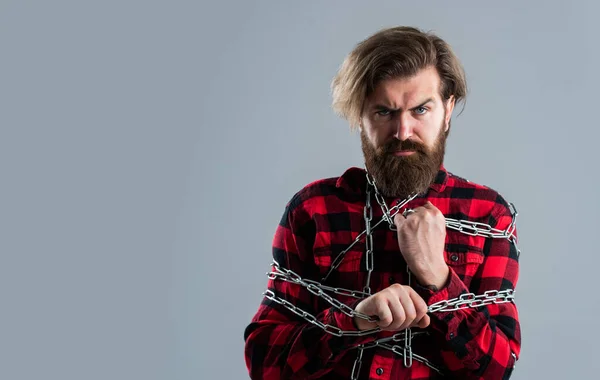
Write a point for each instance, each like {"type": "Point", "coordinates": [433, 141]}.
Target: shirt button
{"type": "Point", "coordinates": [454, 258]}
{"type": "Point", "coordinates": [379, 371]}
{"type": "Point", "coordinates": [451, 335]}
{"type": "Point", "coordinates": [391, 280]}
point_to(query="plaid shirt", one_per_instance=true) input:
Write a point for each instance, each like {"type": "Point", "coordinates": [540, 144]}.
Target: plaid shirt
{"type": "Point", "coordinates": [323, 219]}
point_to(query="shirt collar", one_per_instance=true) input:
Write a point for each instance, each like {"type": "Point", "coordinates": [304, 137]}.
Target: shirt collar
{"type": "Point", "coordinates": [354, 180]}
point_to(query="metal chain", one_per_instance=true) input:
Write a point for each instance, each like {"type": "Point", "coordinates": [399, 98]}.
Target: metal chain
{"type": "Point", "coordinates": [401, 351]}
{"type": "Point", "coordinates": [314, 288]}
{"type": "Point", "coordinates": [383, 343]}
{"type": "Point", "coordinates": [469, 300]}
{"type": "Point", "coordinates": [378, 196]}
{"type": "Point", "coordinates": [407, 353]}
{"type": "Point", "coordinates": [357, 363]}
{"type": "Point", "coordinates": [368, 214]}
{"type": "Point", "coordinates": [387, 216]}
{"type": "Point", "coordinates": [312, 319]}
{"type": "Point", "coordinates": [464, 301]}
{"type": "Point", "coordinates": [466, 227]}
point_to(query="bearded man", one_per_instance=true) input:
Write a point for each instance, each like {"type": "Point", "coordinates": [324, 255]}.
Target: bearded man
{"type": "Point", "coordinates": [400, 269]}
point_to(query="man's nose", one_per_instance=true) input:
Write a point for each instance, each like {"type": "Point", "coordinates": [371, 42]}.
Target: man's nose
{"type": "Point", "coordinates": [404, 127]}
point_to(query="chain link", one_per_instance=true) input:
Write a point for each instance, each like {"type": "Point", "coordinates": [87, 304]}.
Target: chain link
{"type": "Point", "coordinates": [400, 351]}
{"type": "Point", "coordinates": [470, 300]}
{"type": "Point", "coordinates": [464, 301]}
{"type": "Point", "coordinates": [357, 363]}
{"type": "Point", "coordinates": [315, 288]}
{"type": "Point", "coordinates": [468, 227]}
{"type": "Point", "coordinates": [368, 213]}
{"type": "Point", "coordinates": [408, 354]}
{"type": "Point", "coordinates": [383, 343]}
{"type": "Point", "coordinates": [378, 197]}
{"type": "Point", "coordinates": [333, 330]}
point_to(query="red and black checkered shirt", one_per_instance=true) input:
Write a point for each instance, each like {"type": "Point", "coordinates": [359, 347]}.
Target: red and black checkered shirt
{"type": "Point", "coordinates": [323, 219]}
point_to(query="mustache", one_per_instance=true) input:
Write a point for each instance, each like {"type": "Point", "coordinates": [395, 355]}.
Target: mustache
{"type": "Point", "coordinates": [395, 146]}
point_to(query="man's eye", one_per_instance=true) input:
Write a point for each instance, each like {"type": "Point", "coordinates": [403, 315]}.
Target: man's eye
{"type": "Point", "coordinates": [384, 113]}
{"type": "Point", "coordinates": [420, 110]}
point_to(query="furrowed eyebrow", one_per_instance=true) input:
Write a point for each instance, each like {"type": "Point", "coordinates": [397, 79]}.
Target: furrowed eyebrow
{"type": "Point", "coordinates": [383, 107]}
{"type": "Point", "coordinates": [422, 104]}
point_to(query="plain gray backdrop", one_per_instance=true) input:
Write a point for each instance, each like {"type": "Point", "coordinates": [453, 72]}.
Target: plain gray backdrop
{"type": "Point", "coordinates": [148, 148]}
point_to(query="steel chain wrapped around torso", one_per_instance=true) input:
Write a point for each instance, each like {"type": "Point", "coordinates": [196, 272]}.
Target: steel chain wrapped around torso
{"type": "Point", "coordinates": [464, 301]}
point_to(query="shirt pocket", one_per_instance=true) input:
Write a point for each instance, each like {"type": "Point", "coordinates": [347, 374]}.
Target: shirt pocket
{"type": "Point", "coordinates": [463, 256]}
{"type": "Point", "coordinates": [349, 274]}
{"type": "Point", "coordinates": [456, 258]}
{"type": "Point", "coordinates": [325, 257]}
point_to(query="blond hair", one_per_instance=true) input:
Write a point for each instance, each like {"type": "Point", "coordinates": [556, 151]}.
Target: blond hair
{"type": "Point", "coordinates": [393, 53]}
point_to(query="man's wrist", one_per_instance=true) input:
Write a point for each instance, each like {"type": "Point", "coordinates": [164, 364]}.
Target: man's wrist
{"type": "Point", "coordinates": [362, 324]}
{"type": "Point", "coordinates": [434, 280]}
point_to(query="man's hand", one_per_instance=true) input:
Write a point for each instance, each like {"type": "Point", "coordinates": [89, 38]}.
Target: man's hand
{"type": "Point", "coordinates": [421, 237]}
{"type": "Point", "coordinates": [398, 307]}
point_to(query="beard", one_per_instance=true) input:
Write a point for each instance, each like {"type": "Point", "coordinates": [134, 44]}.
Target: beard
{"type": "Point", "coordinates": [401, 176]}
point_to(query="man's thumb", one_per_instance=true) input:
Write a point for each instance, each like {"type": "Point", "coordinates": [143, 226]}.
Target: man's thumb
{"type": "Point", "coordinates": [399, 219]}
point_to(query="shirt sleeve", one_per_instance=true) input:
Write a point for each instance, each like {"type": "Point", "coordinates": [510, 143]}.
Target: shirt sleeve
{"type": "Point", "coordinates": [482, 342]}
{"type": "Point", "coordinates": [279, 343]}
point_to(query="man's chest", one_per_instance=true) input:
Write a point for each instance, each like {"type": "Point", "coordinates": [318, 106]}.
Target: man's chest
{"type": "Point", "coordinates": [342, 260]}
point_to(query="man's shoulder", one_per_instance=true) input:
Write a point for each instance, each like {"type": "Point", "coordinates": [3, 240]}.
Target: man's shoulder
{"type": "Point", "coordinates": [317, 188]}
{"type": "Point", "coordinates": [337, 186]}
{"type": "Point", "coordinates": [457, 181]}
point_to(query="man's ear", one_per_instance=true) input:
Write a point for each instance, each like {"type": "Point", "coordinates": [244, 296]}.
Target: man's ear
{"type": "Point", "coordinates": [449, 108]}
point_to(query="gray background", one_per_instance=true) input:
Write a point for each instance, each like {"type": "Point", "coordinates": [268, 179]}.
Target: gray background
{"type": "Point", "coordinates": [147, 150]}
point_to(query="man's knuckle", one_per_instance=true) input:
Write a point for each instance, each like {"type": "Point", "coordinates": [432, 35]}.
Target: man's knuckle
{"type": "Point", "coordinates": [386, 321]}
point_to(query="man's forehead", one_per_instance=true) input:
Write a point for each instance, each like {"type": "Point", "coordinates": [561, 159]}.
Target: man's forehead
{"type": "Point", "coordinates": [401, 91]}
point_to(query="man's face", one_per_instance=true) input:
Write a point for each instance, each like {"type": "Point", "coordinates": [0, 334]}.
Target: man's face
{"type": "Point", "coordinates": [403, 131]}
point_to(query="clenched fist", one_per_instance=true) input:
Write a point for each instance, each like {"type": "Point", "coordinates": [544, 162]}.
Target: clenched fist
{"type": "Point", "coordinates": [398, 307]}
{"type": "Point", "coordinates": [421, 238]}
